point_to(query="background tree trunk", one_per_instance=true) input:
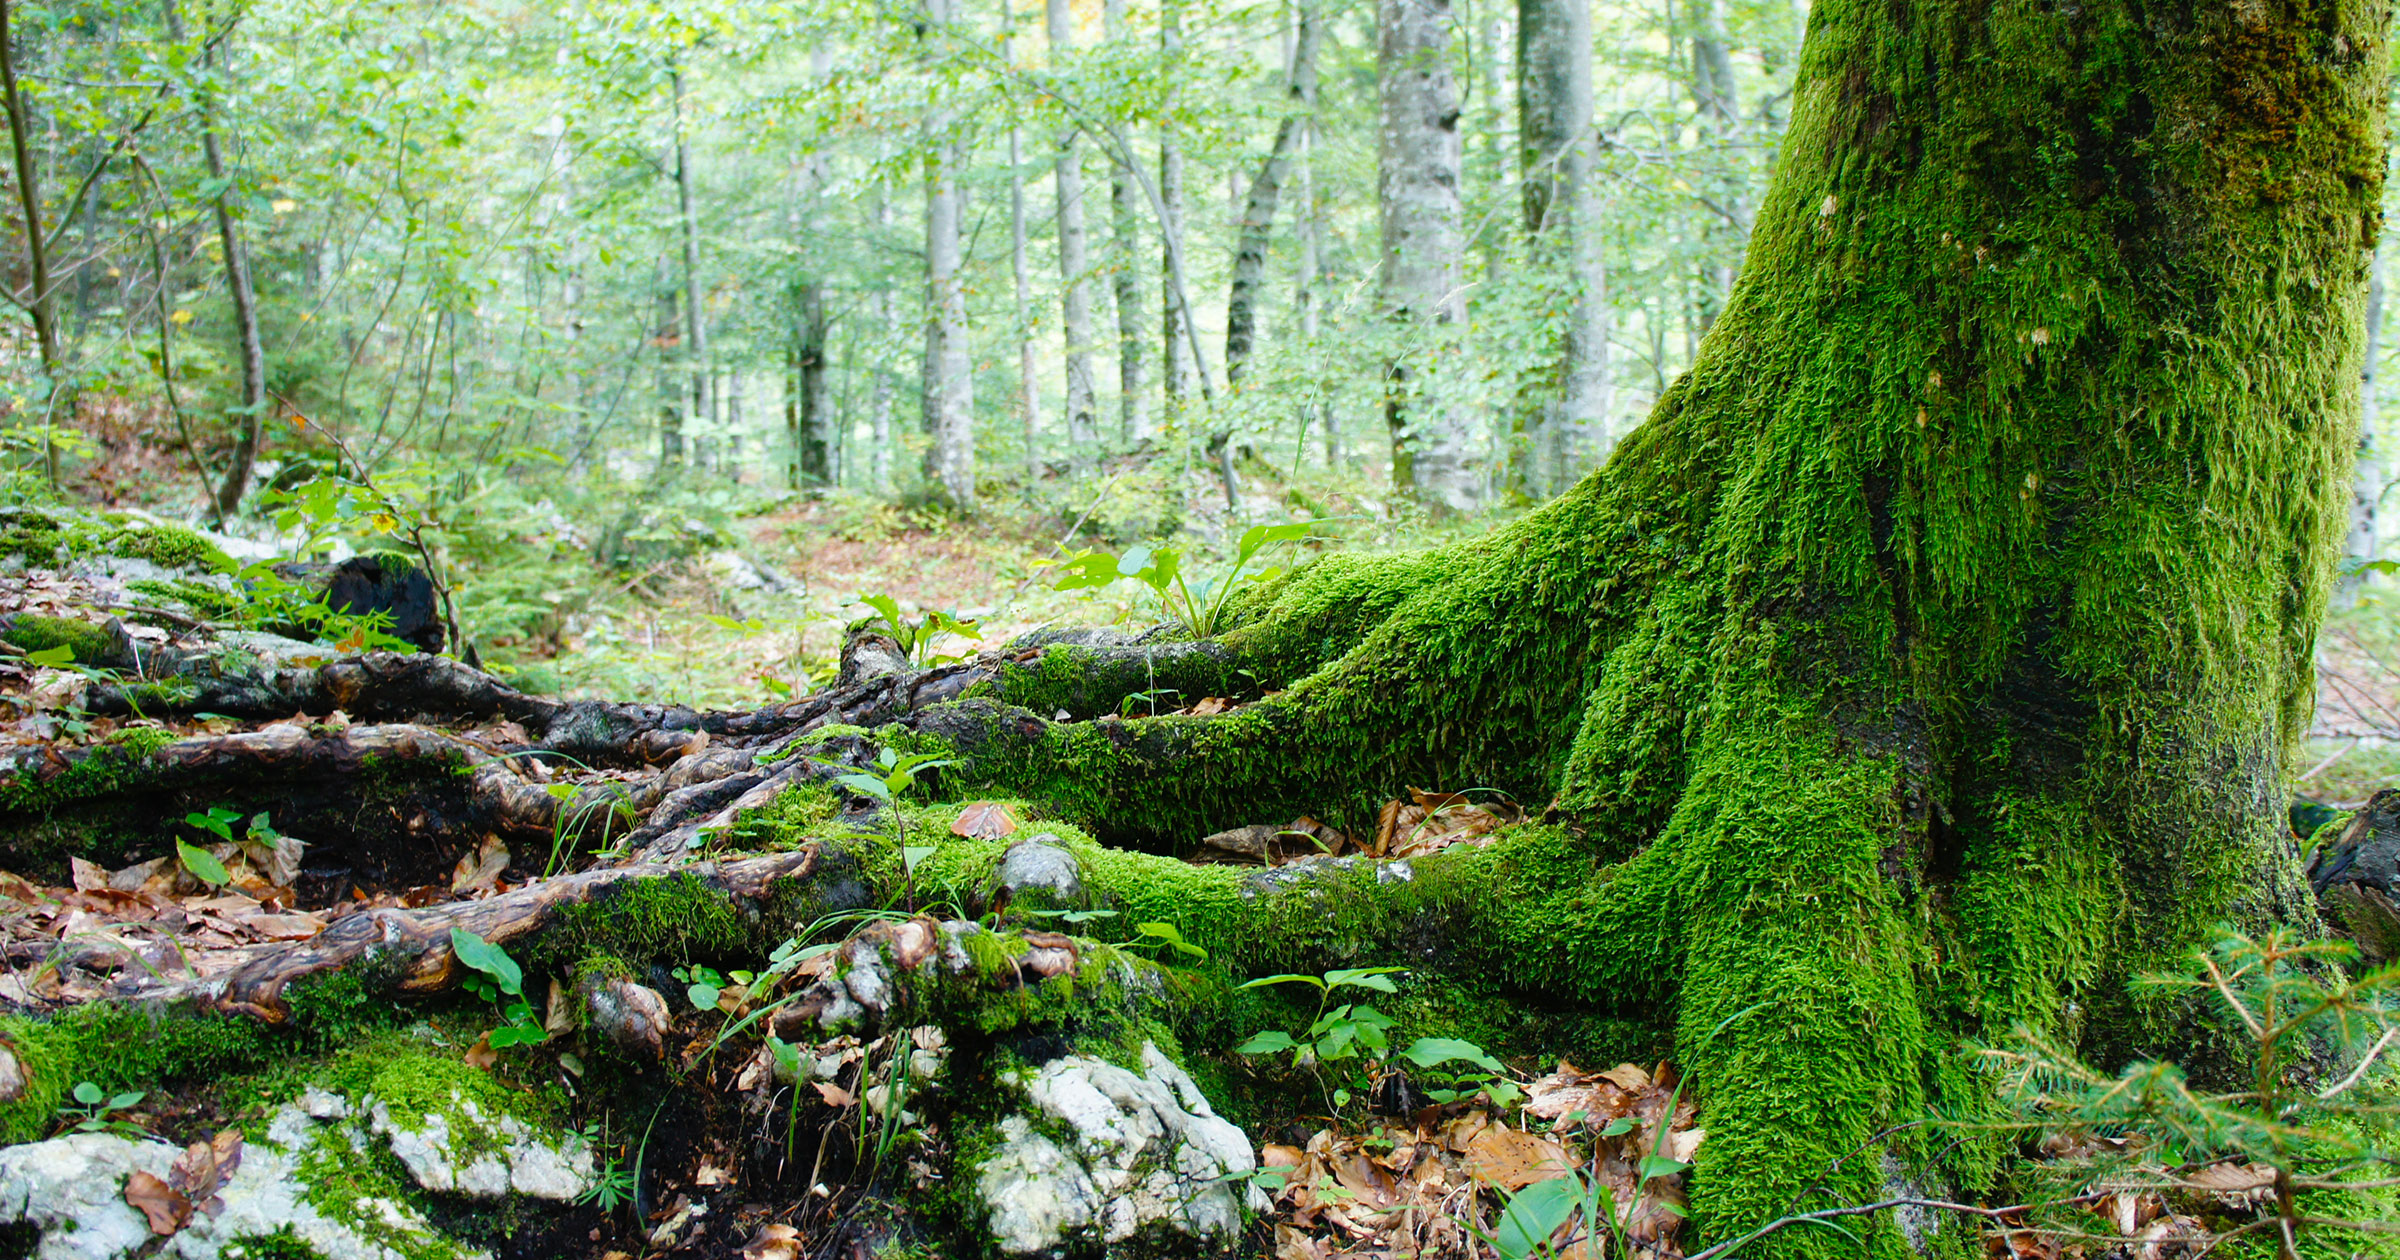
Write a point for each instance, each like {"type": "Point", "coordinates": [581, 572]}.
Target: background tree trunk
{"type": "Point", "coordinates": [1417, 176]}
{"type": "Point", "coordinates": [1028, 381]}
{"type": "Point", "coordinates": [1266, 191]}
{"type": "Point", "coordinates": [1562, 218]}
{"type": "Point", "coordinates": [1175, 361]}
{"type": "Point", "coordinates": [1125, 272]}
{"type": "Point", "coordinates": [2366, 501]}
{"type": "Point", "coordinates": [949, 369]}
{"type": "Point", "coordinates": [695, 317]}
{"type": "Point", "coordinates": [40, 302]}
{"type": "Point", "coordinates": [1074, 262]}
{"type": "Point", "coordinates": [816, 399]}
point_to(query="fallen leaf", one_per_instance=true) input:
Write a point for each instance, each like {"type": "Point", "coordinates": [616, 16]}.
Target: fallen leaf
{"type": "Point", "coordinates": [88, 877]}
{"type": "Point", "coordinates": [481, 870]}
{"type": "Point", "coordinates": [166, 1208]}
{"type": "Point", "coordinates": [481, 1053]}
{"type": "Point", "coordinates": [774, 1242]}
{"type": "Point", "coordinates": [1512, 1159]}
{"type": "Point", "coordinates": [835, 1094]}
{"type": "Point", "coordinates": [984, 820]}
{"type": "Point", "coordinates": [283, 927]}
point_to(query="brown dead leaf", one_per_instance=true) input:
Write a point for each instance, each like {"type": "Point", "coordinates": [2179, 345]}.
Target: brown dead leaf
{"type": "Point", "coordinates": [282, 927]}
{"type": "Point", "coordinates": [774, 1242]}
{"type": "Point", "coordinates": [482, 1055]}
{"type": "Point", "coordinates": [480, 871]}
{"type": "Point", "coordinates": [88, 877]}
{"type": "Point", "coordinates": [1512, 1159]}
{"type": "Point", "coordinates": [1210, 707]}
{"type": "Point", "coordinates": [835, 1095]}
{"type": "Point", "coordinates": [984, 820]}
{"type": "Point", "coordinates": [166, 1208]}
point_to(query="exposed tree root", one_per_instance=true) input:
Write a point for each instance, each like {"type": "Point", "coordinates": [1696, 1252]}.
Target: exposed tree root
{"type": "Point", "coordinates": [414, 945]}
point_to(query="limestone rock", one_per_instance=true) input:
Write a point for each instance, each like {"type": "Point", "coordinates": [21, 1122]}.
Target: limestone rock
{"type": "Point", "coordinates": [1142, 1150]}
{"type": "Point", "coordinates": [487, 1157]}
{"type": "Point", "coordinates": [1040, 865]}
{"type": "Point", "coordinates": [72, 1190]}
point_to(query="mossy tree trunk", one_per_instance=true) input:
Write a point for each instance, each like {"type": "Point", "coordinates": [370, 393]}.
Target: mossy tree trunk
{"type": "Point", "coordinates": [1929, 661]}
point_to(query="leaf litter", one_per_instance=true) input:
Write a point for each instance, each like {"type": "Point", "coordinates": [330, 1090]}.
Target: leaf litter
{"type": "Point", "coordinates": [1440, 1183]}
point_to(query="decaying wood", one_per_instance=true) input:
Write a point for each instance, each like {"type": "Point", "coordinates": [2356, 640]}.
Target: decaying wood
{"type": "Point", "coordinates": [251, 980]}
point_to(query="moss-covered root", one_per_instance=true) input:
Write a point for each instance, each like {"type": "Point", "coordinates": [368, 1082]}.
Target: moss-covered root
{"type": "Point", "coordinates": [976, 982]}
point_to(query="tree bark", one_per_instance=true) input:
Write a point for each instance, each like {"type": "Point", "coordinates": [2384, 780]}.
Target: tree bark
{"type": "Point", "coordinates": [1074, 262]}
{"type": "Point", "coordinates": [1175, 364]}
{"type": "Point", "coordinates": [879, 389]}
{"type": "Point", "coordinates": [668, 339]}
{"type": "Point", "coordinates": [236, 484]}
{"type": "Point", "coordinates": [1029, 400]}
{"type": "Point", "coordinates": [2366, 500]}
{"type": "Point", "coordinates": [695, 315]}
{"type": "Point", "coordinates": [1266, 191]}
{"type": "Point", "coordinates": [1125, 275]}
{"type": "Point", "coordinates": [1718, 113]}
{"type": "Point", "coordinates": [1422, 288]}
{"type": "Point", "coordinates": [1562, 219]}
{"type": "Point", "coordinates": [949, 369]}
{"type": "Point", "coordinates": [40, 301]}
{"type": "Point", "coordinates": [816, 399]}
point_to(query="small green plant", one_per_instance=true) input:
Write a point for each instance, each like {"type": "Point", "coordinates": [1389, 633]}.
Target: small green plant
{"type": "Point", "coordinates": [95, 1110]}
{"type": "Point", "coordinates": [917, 638]}
{"type": "Point", "coordinates": [1163, 940]}
{"type": "Point", "coordinates": [899, 775]}
{"type": "Point", "coordinates": [498, 980]}
{"type": "Point", "coordinates": [613, 1188]}
{"type": "Point", "coordinates": [1483, 1074]}
{"type": "Point", "coordinates": [1351, 1030]}
{"type": "Point", "coordinates": [1201, 610]}
{"type": "Point", "coordinates": [2302, 1156]}
{"type": "Point", "coordinates": [706, 986]}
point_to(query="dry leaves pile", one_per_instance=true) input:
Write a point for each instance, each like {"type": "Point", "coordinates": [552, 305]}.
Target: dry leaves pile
{"type": "Point", "coordinates": [190, 1186]}
{"type": "Point", "coordinates": [1426, 1187]}
{"type": "Point", "coordinates": [1425, 822]}
{"type": "Point", "coordinates": [2144, 1211]}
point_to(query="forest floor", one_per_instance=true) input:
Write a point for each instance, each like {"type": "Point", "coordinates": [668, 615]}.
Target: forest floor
{"type": "Point", "coordinates": [1427, 1149]}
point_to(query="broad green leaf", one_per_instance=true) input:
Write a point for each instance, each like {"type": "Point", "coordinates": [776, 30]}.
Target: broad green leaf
{"type": "Point", "coordinates": [1534, 1214]}
{"type": "Point", "coordinates": [53, 657]}
{"type": "Point", "coordinates": [1376, 978]}
{"type": "Point", "coordinates": [1436, 1051]}
{"type": "Point", "coordinates": [704, 996]}
{"type": "Point", "coordinates": [203, 864]}
{"type": "Point", "coordinates": [1264, 981]}
{"type": "Point", "coordinates": [1269, 1042]}
{"type": "Point", "coordinates": [1654, 1166]}
{"type": "Point", "coordinates": [914, 854]}
{"type": "Point", "coordinates": [481, 955]}
{"type": "Point", "coordinates": [866, 785]}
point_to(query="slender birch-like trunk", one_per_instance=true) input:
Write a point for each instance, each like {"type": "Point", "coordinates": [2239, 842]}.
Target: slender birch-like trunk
{"type": "Point", "coordinates": [1562, 218]}
{"type": "Point", "coordinates": [949, 369]}
{"type": "Point", "coordinates": [1421, 289]}
{"type": "Point", "coordinates": [1029, 390]}
{"type": "Point", "coordinates": [1125, 274]}
{"type": "Point", "coordinates": [1175, 360]}
{"type": "Point", "coordinates": [1074, 260]}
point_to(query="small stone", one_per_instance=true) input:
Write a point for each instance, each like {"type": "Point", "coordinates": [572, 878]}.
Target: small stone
{"type": "Point", "coordinates": [1040, 865]}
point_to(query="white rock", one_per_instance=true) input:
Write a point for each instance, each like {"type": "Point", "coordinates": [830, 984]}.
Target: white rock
{"type": "Point", "coordinates": [513, 1158]}
{"type": "Point", "coordinates": [72, 1189]}
{"type": "Point", "coordinates": [1147, 1149]}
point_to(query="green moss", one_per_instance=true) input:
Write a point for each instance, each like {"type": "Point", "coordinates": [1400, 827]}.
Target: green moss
{"type": "Point", "coordinates": [350, 1179]}
{"type": "Point", "coordinates": [283, 1244]}
{"type": "Point", "coordinates": [106, 769]}
{"type": "Point", "coordinates": [46, 539]}
{"type": "Point", "coordinates": [676, 919]}
{"type": "Point", "coordinates": [121, 1049]}
{"type": "Point", "coordinates": [36, 633]}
